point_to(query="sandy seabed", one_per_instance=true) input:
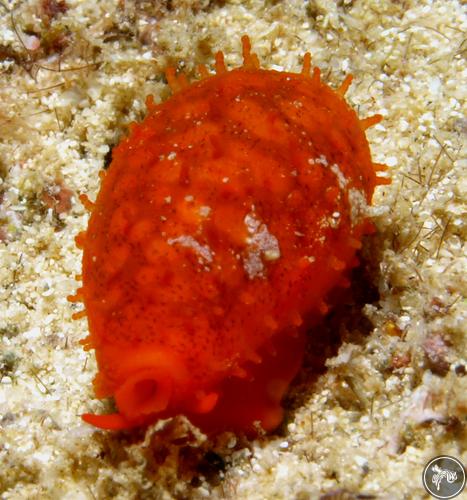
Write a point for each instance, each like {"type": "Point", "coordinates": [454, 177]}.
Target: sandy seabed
{"type": "Point", "coordinates": [392, 392]}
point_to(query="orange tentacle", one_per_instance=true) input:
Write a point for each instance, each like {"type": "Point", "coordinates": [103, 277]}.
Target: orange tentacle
{"type": "Point", "coordinates": [366, 123]}
{"type": "Point", "coordinates": [316, 75]}
{"type": "Point", "coordinates": [345, 85]}
{"type": "Point", "coordinates": [87, 203]}
{"type": "Point", "coordinates": [306, 68]}
{"type": "Point", "coordinates": [79, 315]}
{"type": "Point", "coordinates": [380, 167]}
{"type": "Point", "coordinates": [172, 80]}
{"type": "Point", "coordinates": [220, 63]}
{"type": "Point", "coordinates": [250, 60]}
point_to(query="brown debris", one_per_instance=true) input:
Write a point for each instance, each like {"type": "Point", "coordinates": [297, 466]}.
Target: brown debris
{"type": "Point", "coordinates": [400, 360]}
{"type": "Point", "coordinates": [392, 329]}
{"type": "Point", "coordinates": [50, 9]}
{"type": "Point", "coordinates": [58, 198]}
{"type": "Point", "coordinates": [55, 40]}
{"type": "Point", "coordinates": [436, 352]}
{"type": "Point", "coordinates": [460, 370]}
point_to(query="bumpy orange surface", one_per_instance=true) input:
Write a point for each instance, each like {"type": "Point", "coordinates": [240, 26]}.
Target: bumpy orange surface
{"type": "Point", "coordinates": [224, 221]}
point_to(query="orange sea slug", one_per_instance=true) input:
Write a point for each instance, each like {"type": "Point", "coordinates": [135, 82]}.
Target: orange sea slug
{"type": "Point", "coordinates": [226, 218]}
